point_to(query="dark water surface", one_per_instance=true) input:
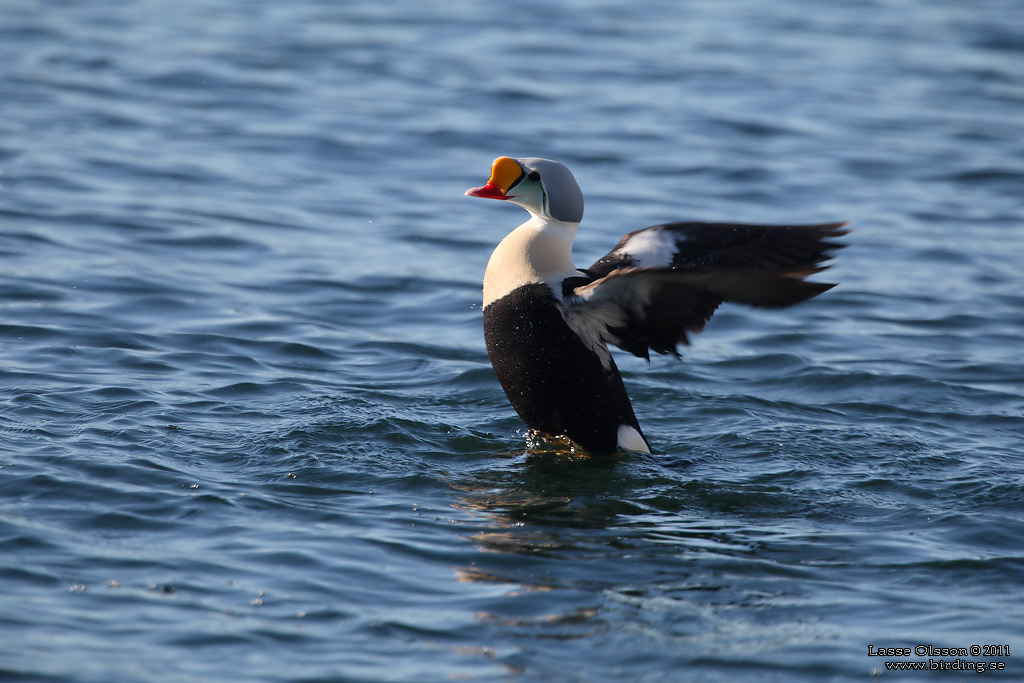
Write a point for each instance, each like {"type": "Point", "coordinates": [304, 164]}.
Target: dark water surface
{"type": "Point", "coordinates": [248, 428]}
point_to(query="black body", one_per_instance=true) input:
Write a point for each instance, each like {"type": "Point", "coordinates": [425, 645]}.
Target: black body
{"type": "Point", "coordinates": [556, 384]}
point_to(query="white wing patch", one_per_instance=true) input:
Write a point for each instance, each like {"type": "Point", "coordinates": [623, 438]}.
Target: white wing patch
{"type": "Point", "coordinates": [651, 248]}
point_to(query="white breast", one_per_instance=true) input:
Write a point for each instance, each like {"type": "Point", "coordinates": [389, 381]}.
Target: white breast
{"type": "Point", "coordinates": [537, 251]}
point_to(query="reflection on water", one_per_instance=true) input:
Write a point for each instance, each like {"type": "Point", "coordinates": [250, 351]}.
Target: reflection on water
{"type": "Point", "coordinates": [558, 529]}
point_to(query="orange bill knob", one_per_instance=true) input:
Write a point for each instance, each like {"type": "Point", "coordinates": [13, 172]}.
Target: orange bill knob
{"type": "Point", "coordinates": [504, 174]}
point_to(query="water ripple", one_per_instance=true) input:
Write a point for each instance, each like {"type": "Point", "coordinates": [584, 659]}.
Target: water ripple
{"type": "Point", "coordinates": [249, 428]}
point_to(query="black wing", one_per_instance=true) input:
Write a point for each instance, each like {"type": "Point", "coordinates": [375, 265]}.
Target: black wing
{"type": "Point", "coordinates": [663, 282]}
{"type": "Point", "coordinates": [722, 245]}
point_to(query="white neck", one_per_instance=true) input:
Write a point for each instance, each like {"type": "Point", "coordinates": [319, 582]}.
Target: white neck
{"type": "Point", "coordinates": [539, 250]}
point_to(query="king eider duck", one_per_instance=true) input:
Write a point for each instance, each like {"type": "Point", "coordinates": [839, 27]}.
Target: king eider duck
{"type": "Point", "coordinates": [547, 323]}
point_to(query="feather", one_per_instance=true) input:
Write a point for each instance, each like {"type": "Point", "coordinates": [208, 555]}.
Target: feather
{"type": "Point", "coordinates": [662, 283]}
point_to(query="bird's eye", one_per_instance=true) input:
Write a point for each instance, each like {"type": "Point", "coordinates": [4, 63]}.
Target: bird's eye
{"type": "Point", "coordinates": [534, 176]}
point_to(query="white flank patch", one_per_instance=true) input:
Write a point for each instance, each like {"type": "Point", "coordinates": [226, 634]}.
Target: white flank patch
{"type": "Point", "coordinates": [651, 248]}
{"type": "Point", "coordinates": [630, 440]}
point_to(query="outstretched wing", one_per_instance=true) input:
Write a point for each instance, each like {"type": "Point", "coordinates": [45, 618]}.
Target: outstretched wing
{"type": "Point", "coordinates": [661, 283]}
{"type": "Point", "coordinates": [722, 245]}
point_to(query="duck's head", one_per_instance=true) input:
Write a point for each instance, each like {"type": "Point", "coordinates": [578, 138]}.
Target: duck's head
{"type": "Point", "coordinates": [543, 187]}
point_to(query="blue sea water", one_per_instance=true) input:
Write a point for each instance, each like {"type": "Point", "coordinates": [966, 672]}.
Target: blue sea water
{"type": "Point", "coordinates": [248, 427]}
